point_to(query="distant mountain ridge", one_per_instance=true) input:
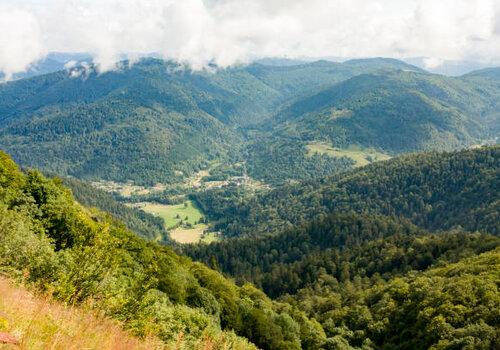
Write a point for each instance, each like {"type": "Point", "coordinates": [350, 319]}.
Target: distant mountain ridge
{"type": "Point", "coordinates": [158, 121]}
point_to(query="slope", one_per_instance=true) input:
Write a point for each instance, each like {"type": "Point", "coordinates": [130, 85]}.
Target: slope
{"type": "Point", "coordinates": [433, 190]}
{"type": "Point", "coordinates": [41, 323]}
{"type": "Point", "coordinates": [151, 122]}
{"type": "Point", "coordinates": [141, 223]}
{"type": "Point", "coordinates": [81, 256]}
{"type": "Point", "coordinates": [397, 111]}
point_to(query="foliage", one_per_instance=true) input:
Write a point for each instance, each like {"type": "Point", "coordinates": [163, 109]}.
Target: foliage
{"type": "Point", "coordinates": [138, 221]}
{"type": "Point", "coordinates": [432, 190]}
{"type": "Point", "coordinates": [396, 111]}
{"type": "Point", "coordinates": [454, 306]}
{"type": "Point", "coordinates": [158, 121]}
{"type": "Point", "coordinates": [86, 256]}
{"type": "Point", "coordinates": [342, 246]}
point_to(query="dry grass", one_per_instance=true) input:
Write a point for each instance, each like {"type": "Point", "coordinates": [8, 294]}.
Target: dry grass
{"type": "Point", "coordinates": [188, 235]}
{"type": "Point", "coordinates": [40, 323]}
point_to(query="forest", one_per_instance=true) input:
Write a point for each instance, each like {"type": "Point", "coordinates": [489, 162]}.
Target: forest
{"type": "Point", "coordinates": [434, 190]}
{"type": "Point", "coordinates": [342, 280]}
{"type": "Point", "coordinates": [315, 243]}
{"type": "Point", "coordinates": [159, 122]}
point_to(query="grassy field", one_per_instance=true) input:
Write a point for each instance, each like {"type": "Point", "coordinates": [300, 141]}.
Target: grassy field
{"type": "Point", "coordinates": [37, 322]}
{"type": "Point", "coordinates": [188, 235]}
{"type": "Point", "coordinates": [174, 214]}
{"type": "Point", "coordinates": [362, 156]}
{"type": "Point", "coordinates": [175, 221]}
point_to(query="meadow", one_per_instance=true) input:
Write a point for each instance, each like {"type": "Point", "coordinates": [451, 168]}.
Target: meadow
{"type": "Point", "coordinates": [361, 156]}
{"type": "Point", "coordinates": [182, 220]}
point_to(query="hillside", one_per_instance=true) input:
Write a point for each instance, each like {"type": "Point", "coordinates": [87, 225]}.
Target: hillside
{"type": "Point", "coordinates": [158, 121]}
{"type": "Point", "coordinates": [360, 276]}
{"type": "Point", "coordinates": [384, 113]}
{"type": "Point", "coordinates": [143, 224]}
{"type": "Point", "coordinates": [375, 281]}
{"type": "Point", "coordinates": [84, 256]}
{"type": "Point", "coordinates": [432, 190]}
{"type": "Point", "coordinates": [342, 246]}
{"type": "Point", "coordinates": [36, 322]}
{"type": "Point", "coordinates": [440, 308]}
{"type": "Point", "coordinates": [396, 111]}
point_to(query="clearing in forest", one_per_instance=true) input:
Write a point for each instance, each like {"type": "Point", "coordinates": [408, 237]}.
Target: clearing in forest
{"type": "Point", "coordinates": [361, 156]}
{"type": "Point", "coordinates": [181, 220]}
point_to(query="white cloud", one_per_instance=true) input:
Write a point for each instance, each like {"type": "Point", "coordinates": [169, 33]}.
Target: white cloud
{"type": "Point", "coordinates": [433, 62]}
{"type": "Point", "coordinates": [225, 32]}
{"type": "Point", "coordinates": [20, 40]}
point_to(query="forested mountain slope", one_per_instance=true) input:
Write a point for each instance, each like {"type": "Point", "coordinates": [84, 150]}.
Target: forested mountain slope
{"type": "Point", "coordinates": [82, 255]}
{"type": "Point", "coordinates": [143, 224]}
{"type": "Point", "coordinates": [432, 190]}
{"type": "Point", "coordinates": [158, 121]}
{"type": "Point", "coordinates": [374, 281]}
{"type": "Point", "coordinates": [442, 308]}
{"type": "Point", "coordinates": [342, 246]}
{"type": "Point", "coordinates": [395, 111]}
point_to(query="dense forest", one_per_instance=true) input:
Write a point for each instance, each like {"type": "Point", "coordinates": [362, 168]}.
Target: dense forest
{"type": "Point", "coordinates": [145, 225]}
{"type": "Point", "coordinates": [340, 245]}
{"type": "Point", "coordinates": [401, 254]}
{"type": "Point", "coordinates": [345, 280]}
{"type": "Point", "coordinates": [158, 121]}
{"type": "Point", "coordinates": [326, 230]}
{"type": "Point", "coordinates": [432, 190]}
{"type": "Point", "coordinates": [84, 256]}
{"type": "Point", "coordinates": [375, 283]}
{"type": "Point", "coordinates": [396, 111]}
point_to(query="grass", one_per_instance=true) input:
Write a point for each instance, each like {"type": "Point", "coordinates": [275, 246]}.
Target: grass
{"type": "Point", "coordinates": [210, 237]}
{"type": "Point", "coordinates": [174, 214]}
{"type": "Point", "coordinates": [188, 235]}
{"type": "Point", "coordinates": [40, 323]}
{"type": "Point", "coordinates": [361, 156]}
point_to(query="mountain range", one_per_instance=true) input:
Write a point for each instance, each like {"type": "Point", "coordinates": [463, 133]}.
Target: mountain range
{"type": "Point", "coordinates": [348, 205]}
{"type": "Point", "coordinates": [157, 121]}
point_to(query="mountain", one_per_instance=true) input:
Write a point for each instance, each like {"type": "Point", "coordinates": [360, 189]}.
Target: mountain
{"type": "Point", "coordinates": [397, 111]}
{"type": "Point", "coordinates": [84, 256]}
{"type": "Point", "coordinates": [158, 121]}
{"type": "Point", "coordinates": [432, 190]}
{"type": "Point", "coordinates": [341, 279]}
{"type": "Point", "coordinates": [385, 256]}
{"type": "Point", "coordinates": [144, 124]}
{"type": "Point", "coordinates": [372, 117]}
{"type": "Point", "coordinates": [53, 62]}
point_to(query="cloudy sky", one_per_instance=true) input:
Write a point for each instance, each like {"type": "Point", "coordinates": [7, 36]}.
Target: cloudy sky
{"type": "Point", "coordinates": [225, 32]}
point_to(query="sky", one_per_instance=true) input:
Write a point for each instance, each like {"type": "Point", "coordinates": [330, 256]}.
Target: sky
{"type": "Point", "coordinates": [227, 32]}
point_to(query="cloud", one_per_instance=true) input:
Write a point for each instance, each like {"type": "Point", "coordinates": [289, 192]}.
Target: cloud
{"type": "Point", "coordinates": [433, 62]}
{"type": "Point", "coordinates": [225, 32]}
{"type": "Point", "coordinates": [20, 40]}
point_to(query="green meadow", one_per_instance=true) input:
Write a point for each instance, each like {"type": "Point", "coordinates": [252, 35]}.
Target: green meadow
{"type": "Point", "coordinates": [362, 156]}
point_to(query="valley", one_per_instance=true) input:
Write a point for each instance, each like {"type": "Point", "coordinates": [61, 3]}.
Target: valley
{"type": "Point", "coordinates": [249, 175]}
{"type": "Point", "coordinates": [319, 205]}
